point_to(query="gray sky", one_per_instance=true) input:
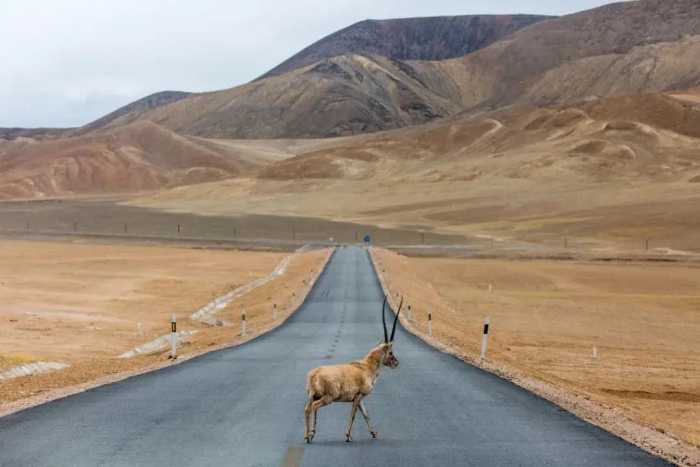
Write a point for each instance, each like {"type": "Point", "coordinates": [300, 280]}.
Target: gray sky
{"type": "Point", "coordinates": [68, 62]}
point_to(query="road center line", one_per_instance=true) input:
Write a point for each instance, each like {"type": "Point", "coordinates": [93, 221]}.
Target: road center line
{"type": "Point", "coordinates": [293, 457]}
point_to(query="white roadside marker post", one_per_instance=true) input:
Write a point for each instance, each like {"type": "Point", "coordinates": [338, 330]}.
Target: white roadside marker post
{"type": "Point", "coordinates": [274, 312]}
{"type": "Point", "coordinates": [595, 352]}
{"type": "Point", "coordinates": [409, 313]}
{"type": "Point", "coordinates": [485, 338]}
{"type": "Point", "coordinates": [173, 337]}
{"type": "Point", "coordinates": [430, 324]}
{"type": "Point", "coordinates": [243, 329]}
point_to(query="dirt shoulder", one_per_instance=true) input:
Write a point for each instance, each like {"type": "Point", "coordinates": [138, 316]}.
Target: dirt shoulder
{"type": "Point", "coordinates": [612, 343]}
{"type": "Point", "coordinates": [85, 305]}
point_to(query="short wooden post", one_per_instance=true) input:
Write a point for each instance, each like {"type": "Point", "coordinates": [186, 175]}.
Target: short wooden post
{"type": "Point", "coordinates": [274, 312]}
{"type": "Point", "coordinates": [430, 324]}
{"type": "Point", "coordinates": [243, 324]}
{"type": "Point", "coordinates": [178, 228]}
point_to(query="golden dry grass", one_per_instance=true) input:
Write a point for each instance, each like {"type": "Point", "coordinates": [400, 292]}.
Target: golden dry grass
{"type": "Point", "coordinates": [547, 317]}
{"type": "Point", "coordinates": [81, 303]}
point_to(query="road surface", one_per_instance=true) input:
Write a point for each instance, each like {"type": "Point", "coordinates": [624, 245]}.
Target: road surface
{"type": "Point", "coordinates": [244, 406]}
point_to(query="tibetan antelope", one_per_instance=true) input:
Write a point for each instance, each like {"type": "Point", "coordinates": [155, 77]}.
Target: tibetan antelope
{"type": "Point", "coordinates": [349, 382]}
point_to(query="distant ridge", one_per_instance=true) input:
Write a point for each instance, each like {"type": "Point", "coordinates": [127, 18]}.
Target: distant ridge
{"type": "Point", "coordinates": [432, 38]}
{"type": "Point", "coordinates": [131, 112]}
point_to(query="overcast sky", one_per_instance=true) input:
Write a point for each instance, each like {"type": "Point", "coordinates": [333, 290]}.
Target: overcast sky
{"type": "Point", "coordinates": [67, 62]}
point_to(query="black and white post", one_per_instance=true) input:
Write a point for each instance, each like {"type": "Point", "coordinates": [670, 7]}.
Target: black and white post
{"type": "Point", "coordinates": [274, 312]}
{"type": "Point", "coordinates": [430, 324]}
{"type": "Point", "coordinates": [243, 327]}
{"type": "Point", "coordinates": [485, 337]}
{"type": "Point", "coordinates": [173, 337]}
{"type": "Point", "coordinates": [408, 315]}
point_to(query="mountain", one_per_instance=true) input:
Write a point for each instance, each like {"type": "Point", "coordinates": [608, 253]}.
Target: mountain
{"type": "Point", "coordinates": [435, 38]}
{"type": "Point", "coordinates": [350, 82]}
{"type": "Point", "coordinates": [621, 48]}
{"type": "Point", "coordinates": [134, 110]}
{"type": "Point", "coordinates": [342, 95]}
{"type": "Point", "coordinates": [625, 48]}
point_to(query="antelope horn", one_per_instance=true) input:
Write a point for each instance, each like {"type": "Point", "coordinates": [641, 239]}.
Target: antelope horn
{"type": "Point", "coordinates": [396, 320]}
{"type": "Point", "coordinates": [386, 335]}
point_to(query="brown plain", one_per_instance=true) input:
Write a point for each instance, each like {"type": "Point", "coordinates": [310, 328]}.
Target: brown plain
{"type": "Point", "coordinates": [548, 316]}
{"type": "Point", "coordinates": [81, 304]}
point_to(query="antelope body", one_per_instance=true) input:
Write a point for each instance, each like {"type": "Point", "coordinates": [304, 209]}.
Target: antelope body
{"type": "Point", "coordinates": [349, 382]}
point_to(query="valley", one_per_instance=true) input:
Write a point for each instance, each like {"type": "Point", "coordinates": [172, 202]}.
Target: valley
{"type": "Point", "coordinates": [541, 170]}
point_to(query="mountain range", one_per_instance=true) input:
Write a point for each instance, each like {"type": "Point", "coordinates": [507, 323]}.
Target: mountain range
{"type": "Point", "coordinates": [372, 77]}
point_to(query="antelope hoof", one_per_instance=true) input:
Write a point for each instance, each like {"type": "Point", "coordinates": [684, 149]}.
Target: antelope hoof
{"type": "Point", "coordinates": [374, 434]}
{"type": "Point", "coordinates": [348, 438]}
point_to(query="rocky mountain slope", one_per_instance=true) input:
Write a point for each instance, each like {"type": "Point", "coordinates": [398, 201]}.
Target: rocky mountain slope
{"type": "Point", "coordinates": [342, 95]}
{"type": "Point", "coordinates": [618, 49]}
{"type": "Point", "coordinates": [134, 110]}
{"type": "Point", "coordinates": [435, 38]}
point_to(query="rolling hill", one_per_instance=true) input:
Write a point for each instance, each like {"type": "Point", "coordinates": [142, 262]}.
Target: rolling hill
{"type": "Point", "coordinates": [135, 157]}
{"type": "Point", "coordinates": [608, 172]}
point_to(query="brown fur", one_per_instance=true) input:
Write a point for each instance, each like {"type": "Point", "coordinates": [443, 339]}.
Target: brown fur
{"type": "Point", "coordinates": [349, 382]}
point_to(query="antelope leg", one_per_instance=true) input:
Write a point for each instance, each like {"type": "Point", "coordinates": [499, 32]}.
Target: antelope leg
{"type": "Point", "coordinates": [315, 421]}
{"type": "Point", "coordinates": [315, 405]}
{"type": "Point", "coordinates": [307, 420]}
{"type": "Point", "coordinates": [365, 415]}
{"type": "Point", "coordinates": [353, 412]}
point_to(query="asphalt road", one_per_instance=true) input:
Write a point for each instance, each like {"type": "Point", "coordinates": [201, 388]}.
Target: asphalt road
{"type": "Point", "coordinates": [244, 406]}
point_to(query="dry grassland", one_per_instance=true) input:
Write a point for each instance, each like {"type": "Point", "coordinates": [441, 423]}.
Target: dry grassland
{"type": "Point", "coordinates": [548, 316]}
{"type": "Point", "coordinates": [81, 304]}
